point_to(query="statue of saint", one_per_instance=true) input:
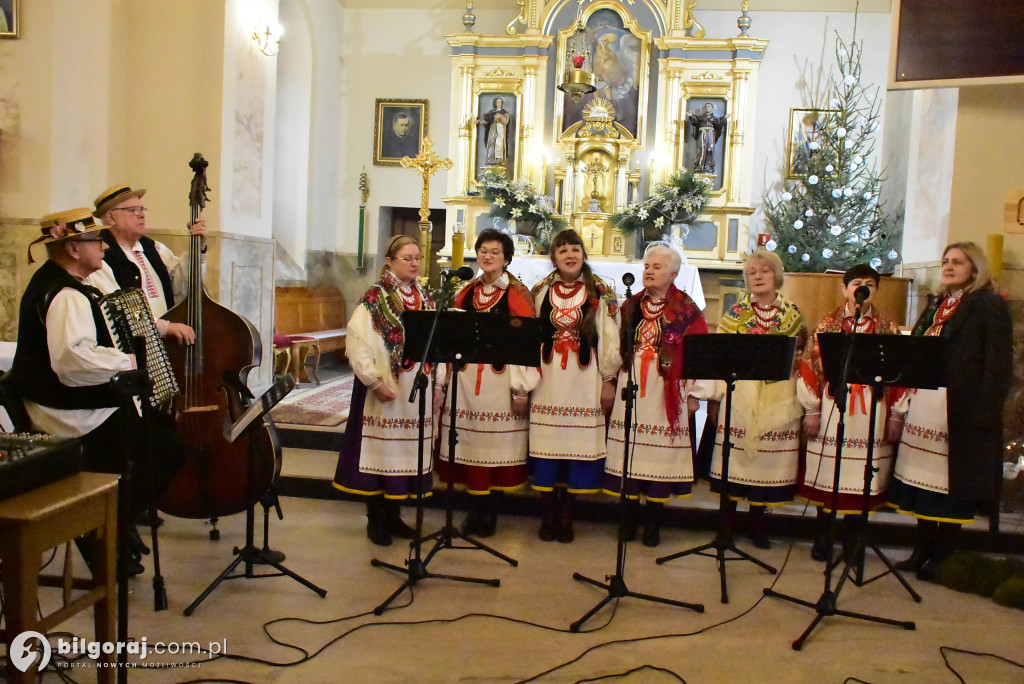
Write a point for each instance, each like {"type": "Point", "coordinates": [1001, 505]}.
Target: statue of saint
{"type": "Point", "coordinates": [496, 137]}
{"type": "Point", "coordinates": [707, 129]}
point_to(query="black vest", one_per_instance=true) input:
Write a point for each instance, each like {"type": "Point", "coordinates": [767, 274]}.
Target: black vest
{"type": "Point", "coordinates": [127, 272]}
{"type": "Point", "coordinates": [31, 373]}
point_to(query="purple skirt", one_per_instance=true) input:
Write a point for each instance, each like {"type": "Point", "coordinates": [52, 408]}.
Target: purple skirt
{"type": "Point", "coordinates": [653, 490]}
{"type": "Point", "coordinates": [348, 477]}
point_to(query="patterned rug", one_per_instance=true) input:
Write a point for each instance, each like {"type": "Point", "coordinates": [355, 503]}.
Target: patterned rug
{"type": "Point", "coordinates": [325, 406]}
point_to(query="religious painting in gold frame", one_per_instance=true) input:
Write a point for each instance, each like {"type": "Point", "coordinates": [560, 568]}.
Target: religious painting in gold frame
{"type": "Point", "coordinates": [9, 18]}
{"type": "Point", "coordinates": [621, 56]}
{"type": "Point", "coordinates": [399, 127]}
{"type": "Point", "coordinates": [805, 131]}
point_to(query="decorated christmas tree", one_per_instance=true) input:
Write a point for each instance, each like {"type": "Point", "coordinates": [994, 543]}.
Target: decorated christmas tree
{"type": "Point", "coordinates": [831, 217]}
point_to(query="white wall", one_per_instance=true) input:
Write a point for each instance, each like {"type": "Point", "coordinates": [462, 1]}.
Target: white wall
{"type": "Point", "coordinates": [292, 140]}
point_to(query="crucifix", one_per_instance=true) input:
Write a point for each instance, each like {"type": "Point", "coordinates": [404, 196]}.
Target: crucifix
{"type": "Point", "coordinates": [426, 163]}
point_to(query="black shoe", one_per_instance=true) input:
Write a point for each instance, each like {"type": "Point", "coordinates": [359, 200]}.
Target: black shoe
{"type": "Point", "coordinates": [760, 540]}
{"type": "Point", "coordinates": [820, 550]}
{"type": "Point", "coordinates": [393, 523]}
{"type": "Point", "coordinates": [135, 543]}
{"type": "Point", "coordinates": [652, 535]}
{"type": "Point", "coordinates": [929, 571]}
{"type": "Point", "coordinates": [914, 562]}
{"type": "Point", "coordinates": [378, 535]}
{"type": "Point", "coordinates": [565, 534]}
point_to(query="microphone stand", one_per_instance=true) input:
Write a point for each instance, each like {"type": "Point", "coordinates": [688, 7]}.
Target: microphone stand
{"type": "Point", "coordinates": [416, 567]}
{"type": "Point", "coordinates": [826, 605]}
{"type": "Point", "coordinates": [615, 584]}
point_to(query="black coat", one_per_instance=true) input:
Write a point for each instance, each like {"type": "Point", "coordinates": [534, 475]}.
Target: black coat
{"type": "Point", "coordinates": [979, 368]}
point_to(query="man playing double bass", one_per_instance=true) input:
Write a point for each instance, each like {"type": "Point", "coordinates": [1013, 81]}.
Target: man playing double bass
{"type": "Point", "coordinates": [137, 260]}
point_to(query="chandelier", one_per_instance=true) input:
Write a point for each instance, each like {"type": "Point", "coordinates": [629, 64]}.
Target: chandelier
{"type": "Point", "coordinates": [577, 73]}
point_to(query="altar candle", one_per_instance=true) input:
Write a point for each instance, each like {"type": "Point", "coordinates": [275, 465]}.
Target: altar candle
{"type": "Point", "coordinates": [543, 174]}
{"type": "Point", "coordinates": [458, 249]}
{"type": "Point", "coordinates": [995, 254]}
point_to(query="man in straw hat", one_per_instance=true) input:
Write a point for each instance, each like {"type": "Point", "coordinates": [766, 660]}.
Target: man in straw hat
{"type": "Point", "coordinates": [66, 357]}
{"type": "Point", "coordinates": [136, 260]}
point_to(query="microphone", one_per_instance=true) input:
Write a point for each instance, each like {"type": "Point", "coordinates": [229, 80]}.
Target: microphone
{"type": "Point", "coordinates": [628, 279]}
{"type": "Point", "coordinates": [861, 294]}
{"type": "Point", "coordinates": [464, 273]}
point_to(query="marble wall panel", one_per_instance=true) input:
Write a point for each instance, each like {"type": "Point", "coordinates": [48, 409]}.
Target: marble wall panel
{"type": "Point", "coordinates": [239, 275]}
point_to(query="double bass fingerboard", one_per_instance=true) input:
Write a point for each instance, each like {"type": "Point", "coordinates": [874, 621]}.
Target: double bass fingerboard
{"type": "Point", "coordinates": [128, 316]}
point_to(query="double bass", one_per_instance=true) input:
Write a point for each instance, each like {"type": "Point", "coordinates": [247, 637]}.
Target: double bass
{"type": "Point", "coordinates": [218, 477]}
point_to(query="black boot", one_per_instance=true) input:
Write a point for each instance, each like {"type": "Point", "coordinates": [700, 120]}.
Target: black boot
{"type": "Point", "coordinates": [566, 502]}
{"type": "Point", "coordinates": [630, 516]}
{"type": "Point", "coordinates": [488, 521]}
{"type": "Point", "coordinates": [548, 516]}
{"type": "Point", "coordinates": [393, 522]}
{"type": "Point", "coordinates": [471, 523]}
{"type": "Point", "coordinates": [926, 532]}
{"type": "Point", "coordinates": [820, 549]}
{"type": "Point", "coordinates": [376, 524]}
{"type": "Point", "coordinates": [652, 523]}
{"type": "Point", "coordinates": [945, 542]}
{"type": "Point", "coordinates": [757, 528]}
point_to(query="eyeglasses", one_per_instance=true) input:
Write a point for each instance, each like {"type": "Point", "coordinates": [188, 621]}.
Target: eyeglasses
{"type": "Point", "coordinates": [492, 252]}
{"type": "Point", "coordinates": [138, 211]}
{"type": "Point", "coordinates": [409, 259]}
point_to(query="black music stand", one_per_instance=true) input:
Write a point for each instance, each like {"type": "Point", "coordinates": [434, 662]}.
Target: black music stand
{"type": "Point", "coordinates": [250, 554]}
{"type": "Point", "coordinates": [456, 337]}
{"type": "Point", "coordinates": [878, 361]}
{"type": "Point", "coordinates": [732, 358]}
{"type": "Point", "coordinates": [615, 584]}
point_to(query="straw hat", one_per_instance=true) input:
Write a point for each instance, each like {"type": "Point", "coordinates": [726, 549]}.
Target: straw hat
{"type": "Point", "coordinates": [63, 225]}
{"type": "Point", "coordinates": [111, 197]}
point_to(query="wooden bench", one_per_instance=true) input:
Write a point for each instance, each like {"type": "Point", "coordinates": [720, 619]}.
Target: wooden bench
{"type": "Point", "coordinates": [314, 319]}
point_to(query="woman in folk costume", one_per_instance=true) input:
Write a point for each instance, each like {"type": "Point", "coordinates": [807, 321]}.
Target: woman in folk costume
{"type": "Point", "coordinates": [579, 364]}
{"type": "Point", "coordinates": [765, 427]}
{"type": "Point", "coordinates": [950, 453]}
{"type": "Point", "coordinates": [491, 417]}
{"type": "Point", "coordinates": [821, 420]}
{"type": "Point", "coordinates": [661, 455]}
{"type": "Point", "coordinates": [379, 456]}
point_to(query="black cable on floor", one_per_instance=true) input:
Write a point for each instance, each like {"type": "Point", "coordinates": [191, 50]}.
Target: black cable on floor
{"type": "Point", "coordinates": [952, 649]}
{"type": "Point", "coordinates": [640, 668]}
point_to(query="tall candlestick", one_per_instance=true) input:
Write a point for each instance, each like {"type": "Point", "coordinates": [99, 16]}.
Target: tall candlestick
{"type": "Point", "coordinates": [458, 249]}
{"type": "Point", "coordinates": [995, 254]}
{"type": "Point", "coordinates": [543, 174]}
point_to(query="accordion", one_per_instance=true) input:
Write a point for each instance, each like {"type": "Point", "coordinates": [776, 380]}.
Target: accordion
{"type": "Point", "coordinates": [128, 316]}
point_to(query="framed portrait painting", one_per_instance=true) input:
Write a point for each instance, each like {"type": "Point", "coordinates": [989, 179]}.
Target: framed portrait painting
{"type": "Point", "coordinates": [805, 139]}
{"type": "Point", "coordinates": [9, 18]}
{"type": "Point", "coordinates": [398, 130]}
